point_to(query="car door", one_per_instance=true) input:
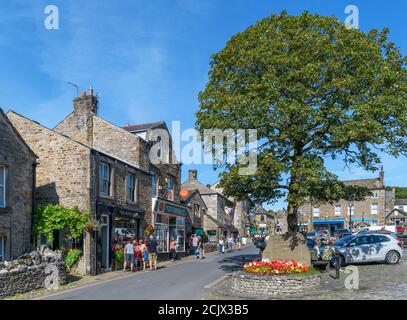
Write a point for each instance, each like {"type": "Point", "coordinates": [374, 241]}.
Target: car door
{"type": "Point", "coordinates": [359, 250]}
{"type": "Point", "coordinates": [380, 245]}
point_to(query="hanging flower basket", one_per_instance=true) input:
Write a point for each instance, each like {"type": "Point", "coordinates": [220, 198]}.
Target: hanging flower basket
{"type": "Point", "coordinates": [149, 230]}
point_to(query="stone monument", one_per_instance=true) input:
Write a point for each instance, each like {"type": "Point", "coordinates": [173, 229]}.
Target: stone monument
{"type": "Point", "coordinates": [288, 246]}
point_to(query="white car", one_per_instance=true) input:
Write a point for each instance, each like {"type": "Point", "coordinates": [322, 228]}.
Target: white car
{"type": "Point", "coordinates": [377, 228]}
{"type": "Point", "coordinates": [365, 248]}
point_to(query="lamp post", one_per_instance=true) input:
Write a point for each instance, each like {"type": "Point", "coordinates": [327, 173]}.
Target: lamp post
{"type": "Point", "coordinates": [351, 204]}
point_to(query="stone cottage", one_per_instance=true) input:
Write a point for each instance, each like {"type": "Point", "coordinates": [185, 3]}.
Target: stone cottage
{"type": "Point", "coordinates": [220, 210]}
{"type": "Point", "coordinates": [17, 180]}
{"type": "Point", "coordinates": [169, 215]}
{"type": "Point", "coordinates": [371, 211]}
{"type": "Point", "coordinates": [87, 162]}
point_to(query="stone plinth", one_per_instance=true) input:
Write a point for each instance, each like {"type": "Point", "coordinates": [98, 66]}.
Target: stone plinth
{"type": "Point", "coordinates": [252, 285]}
{"type": "Point", "coordinates": [288, 246]}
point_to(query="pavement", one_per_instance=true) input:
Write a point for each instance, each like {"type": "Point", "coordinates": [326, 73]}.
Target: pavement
{"type": "Point", "coordinates": [189, 279]}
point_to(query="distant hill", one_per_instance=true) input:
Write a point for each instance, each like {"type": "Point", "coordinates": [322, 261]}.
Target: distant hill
{"type": "Point", "coordinates": [401, 192]}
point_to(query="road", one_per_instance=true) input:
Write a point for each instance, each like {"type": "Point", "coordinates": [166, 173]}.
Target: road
{"type": "Point", "coordinates": [188, 280]}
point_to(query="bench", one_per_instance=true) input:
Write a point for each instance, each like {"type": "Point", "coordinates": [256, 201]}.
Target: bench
{"type": "Point", "coordinates": [320, 264]}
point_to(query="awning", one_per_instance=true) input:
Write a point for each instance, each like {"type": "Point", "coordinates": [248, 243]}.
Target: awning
{"type": "Point", "coordinates": [333, 221]}
{"type": "Point", "coordinates": [198, 232]}
{"type": "Point", "coordinates": [364, 219]}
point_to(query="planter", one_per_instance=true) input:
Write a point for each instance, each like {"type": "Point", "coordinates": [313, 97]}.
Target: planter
{"type": "Point", "coordinates": [254, 285]}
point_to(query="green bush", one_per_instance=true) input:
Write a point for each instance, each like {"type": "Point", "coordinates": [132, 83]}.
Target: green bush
{"type": "Point", "coordinates": [119, 256]}
{"type": "Point", "coordinates": [72, 257]}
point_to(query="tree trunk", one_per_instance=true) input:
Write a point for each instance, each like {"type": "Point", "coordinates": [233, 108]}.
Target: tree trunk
{"type": "Point", "coordinates": [292, 198]}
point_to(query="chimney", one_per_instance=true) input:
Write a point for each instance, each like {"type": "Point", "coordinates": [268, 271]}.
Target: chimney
{"type": "Point", "coordinates": [193, 174]}
{"type": "Point", "coordinates": [382, 176]}
{"type": "Point", "coordinates": [85, 107]}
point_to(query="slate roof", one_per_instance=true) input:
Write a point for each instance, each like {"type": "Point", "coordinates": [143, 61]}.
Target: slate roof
{"type": "Point", "coordinates": [368, 183]}
{"type": "Point", "coordinates": [193, 184]}
{"type": "Point", "coordinates": [400, 202]}
{"type": "Point", "coordinates": [143, 126]}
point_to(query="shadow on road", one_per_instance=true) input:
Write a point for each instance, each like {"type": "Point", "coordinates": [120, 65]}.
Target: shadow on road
{"type": "Point", "coordinates": [235, 263]}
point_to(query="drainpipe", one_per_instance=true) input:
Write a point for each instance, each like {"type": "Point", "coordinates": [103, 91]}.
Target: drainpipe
{"type": "Point", "coordinates": [33, 201]}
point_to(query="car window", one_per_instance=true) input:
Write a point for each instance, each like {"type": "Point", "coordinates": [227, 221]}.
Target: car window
{"type": "Point", "coordinates": [378, 239]}
{"type": "Point", "coordinates": [359, 241]}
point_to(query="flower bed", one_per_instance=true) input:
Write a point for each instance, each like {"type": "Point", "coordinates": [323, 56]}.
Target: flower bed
{"type": "Point", "coordinates": [275, 267]}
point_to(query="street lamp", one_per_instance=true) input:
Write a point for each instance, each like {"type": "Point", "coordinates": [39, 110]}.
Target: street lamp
{"type": "Point", "coordinates": [351, 204]}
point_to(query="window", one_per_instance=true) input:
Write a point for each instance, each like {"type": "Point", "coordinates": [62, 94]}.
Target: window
{"type": "Point", "coordinates": [3, 187]}
{"type": "Point", "coordinates": [2, 249]}
{"type": "Point", "coordinates": [131, 187]}
{"type": "Point", "coordinates": [379, 239]}
{"type": "Point", "coordinates": [160, 147]}
{"type": "Point", "coordinates": [351, 210]}
{"type": "Point", "coordinates": [374, 209]}
{"type": "Point", "coordinates": [375, 194]}
{"type": "Point", "coordinates": [315, 211]}
{"type": "Point", "coordinates": [337, 210]}
{"type": "Point", "coordinates": [170, 189]}
{"type": "Point", "coordinates": [359, 241]}
{"type": "Point", "coordinates": [154, 183]}
{"type": "Point", "coordinates": [104, 179]}
{"type": "Point", "coordinates": [197, 210]}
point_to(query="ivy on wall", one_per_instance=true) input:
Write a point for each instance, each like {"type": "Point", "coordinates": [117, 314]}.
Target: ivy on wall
{"type": "Point", "coordinates": [50, 218]}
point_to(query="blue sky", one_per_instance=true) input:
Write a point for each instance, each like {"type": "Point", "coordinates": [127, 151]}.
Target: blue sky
{"type": "Point", "coordinates": [148, 58]}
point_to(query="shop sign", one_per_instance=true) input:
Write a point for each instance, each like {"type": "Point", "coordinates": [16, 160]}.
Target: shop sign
{"type": "Point", "coordinates": [175, 210]}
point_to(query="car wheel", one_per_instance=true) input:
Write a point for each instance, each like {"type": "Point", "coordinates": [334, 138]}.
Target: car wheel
{"type": "Point", "coordinates": [392, 257]}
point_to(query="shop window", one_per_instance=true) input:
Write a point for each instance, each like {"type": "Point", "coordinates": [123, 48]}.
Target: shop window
{"type": "Point", "coordinates": [374, 209]}
{"type": "Point", "coordinates": [104, 179]}
{"type": "Point", "coordinates": [2, 254]}
{"type": "Point", "coordinates": [131, 187]}
{"type": "Point", "coordinates": [180, 236]}
{"type": "Point", "coordinates": [3, 186]}
{"type": "Point", "coordinates": [161, 233]}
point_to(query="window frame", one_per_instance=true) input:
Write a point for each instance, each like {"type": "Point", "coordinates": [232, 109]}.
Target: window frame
{"type": "Point", "coordinates": [375, 194]}
{"type": "Point", "coordinates": [4, 186]}
{"type": "Point", "coordinates": [172, 191]}
{"type": "Point", "coordinates": [102, 179]}
{"type": "Point", "coordinates": [316, 213]}
{"type": "Point", "coordinates": [340, 210]}
{"type": "Point", "coordinates": [131, 189]}
{"type": "Point", "coordinates": [377, 208]}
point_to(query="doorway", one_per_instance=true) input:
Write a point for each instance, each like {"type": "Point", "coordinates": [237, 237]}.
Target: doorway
{"type": "Point", "coordinates": [105, 241]}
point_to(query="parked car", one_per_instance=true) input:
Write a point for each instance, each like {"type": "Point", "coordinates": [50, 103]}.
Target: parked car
{"type": "Point", "coordinates": [311, 245]}
{"type": "Point", "coordinates": [340, 233]}
{"type": "Point", "coordinates": [371, 247]}
{"type": "Point", "coordinates": [377, 228]}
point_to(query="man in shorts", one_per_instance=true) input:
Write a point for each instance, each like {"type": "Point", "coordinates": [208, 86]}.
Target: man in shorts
{"type": "Point", "coordinates": [129, 256]}
{"type": "Point", "coordinates": [152, 253]}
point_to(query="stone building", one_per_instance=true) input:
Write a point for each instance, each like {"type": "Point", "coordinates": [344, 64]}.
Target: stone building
{"type": "Point", "coordinates": [263, 221]}
{"type": "Point", "coordinates": [87, 162]}
{"type": "Point", "coordinates": [371, 211]}
{"type": "Point", "coordinates": [17, 180]}
{"type": "Point", "coordinates": [220, 210]}
{"type": "Point", "coordinates": [169, 215]}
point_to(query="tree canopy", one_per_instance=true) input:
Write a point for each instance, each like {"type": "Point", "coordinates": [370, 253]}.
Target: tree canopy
{"type": "Point", "coordinates": [313, 89]}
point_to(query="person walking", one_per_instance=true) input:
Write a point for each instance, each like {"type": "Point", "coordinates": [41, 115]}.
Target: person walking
{"type": "Point", "coordinates": [136, 255]}
{"type": "Point", "coordinates": [129, 256]}
{"type": "Point", "coordinates": [239, 242]}
{"type": "Point", "coordinates": [230, 243]}
{"type": "Point", "coordinates": [201, 247]}
{"type": "Point", "coordinates": [195, 243]}
{"type": "Point", "coordinates": [143, 255]}
{"type": "Point", "coordinates": [152, 253]}
{"type": "Point", "coordinates": [173, 252]}
{"type": "Point", "coordinates": [221, 245]}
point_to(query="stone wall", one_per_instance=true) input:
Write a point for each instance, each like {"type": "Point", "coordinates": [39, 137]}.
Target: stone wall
{"type": "Point", "coordinates": [249, 285]}
{"type": "Point", "coordinates": [63, 171]}
{"type": "Point", "coordinates": [15, 219]}
{"type": "Point", "coordinates": [36, 270]}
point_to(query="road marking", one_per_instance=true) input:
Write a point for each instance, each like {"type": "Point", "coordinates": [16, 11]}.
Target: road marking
{"type": "Point", "coordinates": [214, 283]}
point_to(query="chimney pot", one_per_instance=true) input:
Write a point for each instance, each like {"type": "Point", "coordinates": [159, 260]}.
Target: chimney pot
{"type": "Point", "coordinates": [83, 94]}
{"type": "Point", "coordinates": [193, 174]}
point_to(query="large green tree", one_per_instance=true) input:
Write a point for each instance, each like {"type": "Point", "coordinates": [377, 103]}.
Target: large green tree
{"type": "Point", "coordinates": [313, 89]}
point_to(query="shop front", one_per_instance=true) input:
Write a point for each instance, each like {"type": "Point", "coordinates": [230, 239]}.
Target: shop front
{"type": "Point", "coordinates": [331, 225]}
{"type": "Point", "coordinates": [169, 225]}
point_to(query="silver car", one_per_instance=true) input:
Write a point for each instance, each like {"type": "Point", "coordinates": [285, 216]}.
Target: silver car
{"type": "Point", "coordinates": [365, 248]}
